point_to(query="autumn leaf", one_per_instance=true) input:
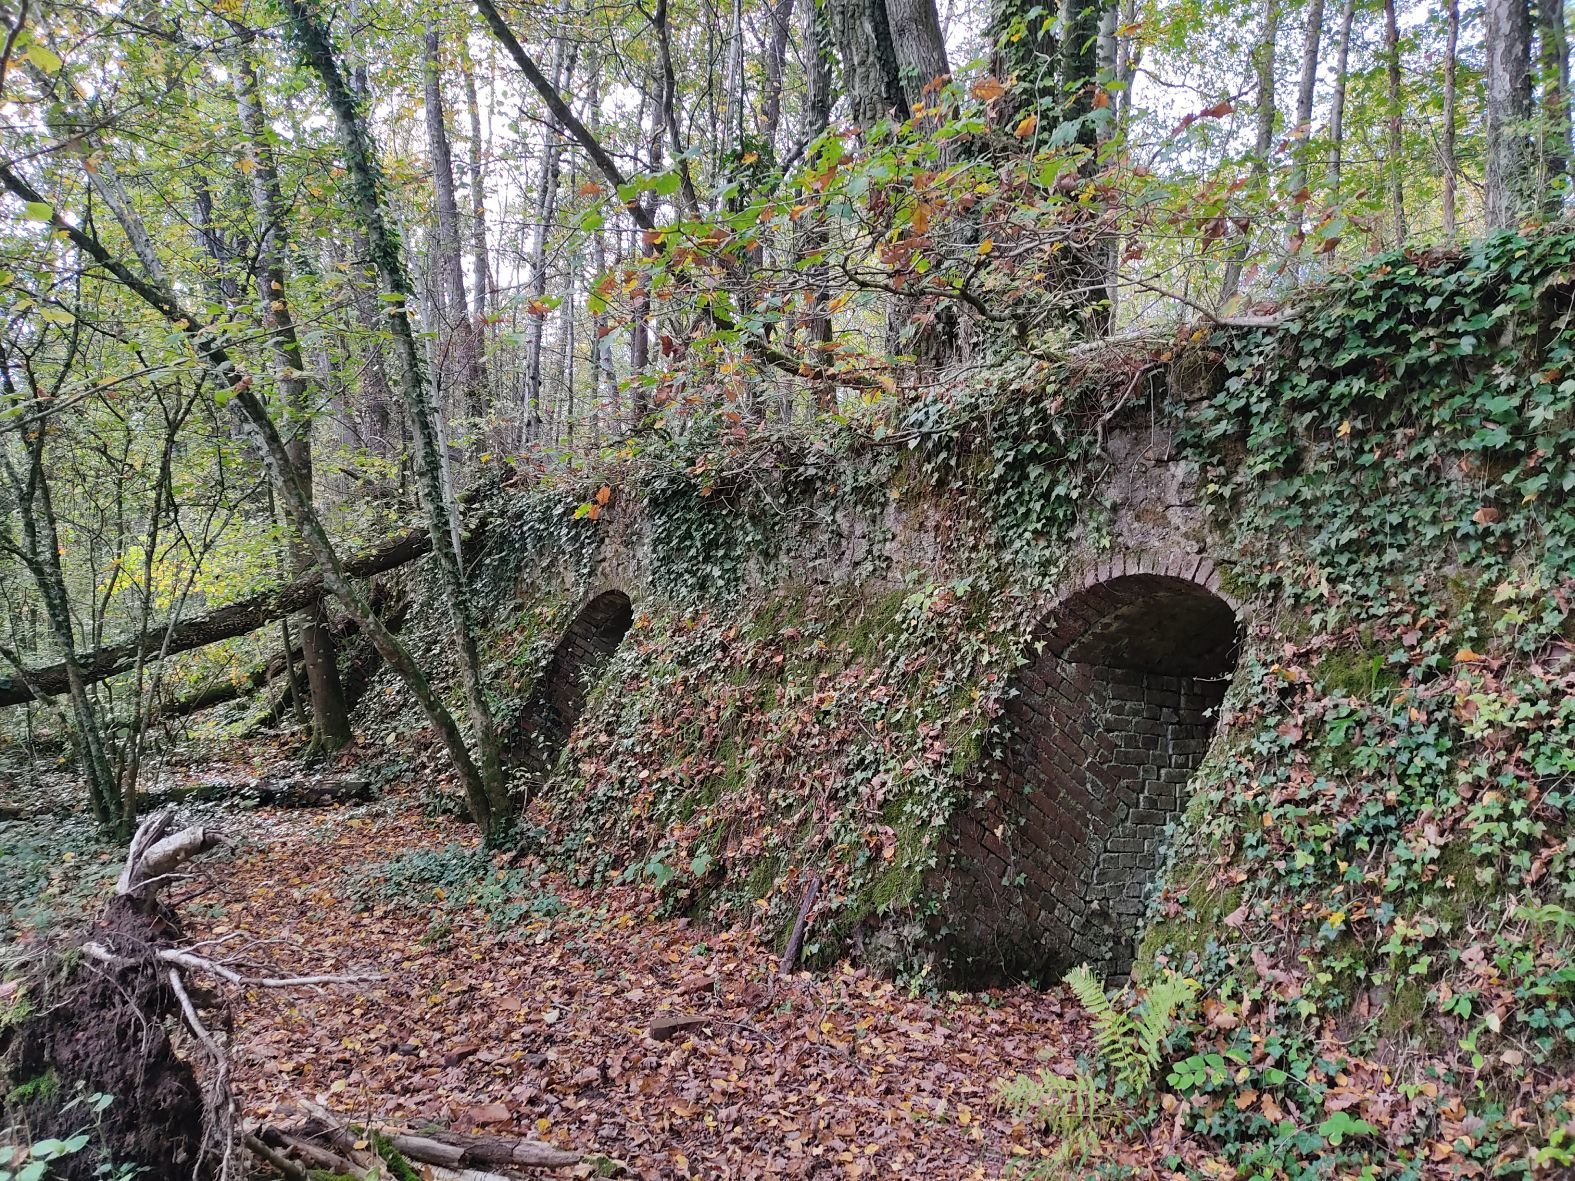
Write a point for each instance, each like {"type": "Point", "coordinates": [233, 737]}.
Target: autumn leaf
{"type": "Point", "coordinates": [987, 89]}
{"type": "Point", "coordinates": [1026, 127]}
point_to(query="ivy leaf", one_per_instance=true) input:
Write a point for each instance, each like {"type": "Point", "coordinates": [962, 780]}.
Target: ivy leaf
{"type": "Point", "coordinates": [1340, 1125]}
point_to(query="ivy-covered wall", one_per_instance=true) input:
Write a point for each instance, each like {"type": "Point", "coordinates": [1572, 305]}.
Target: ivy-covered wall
{"type": "Point", "coordinates": [1374, 878]}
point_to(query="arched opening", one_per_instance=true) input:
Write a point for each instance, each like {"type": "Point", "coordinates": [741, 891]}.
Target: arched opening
{"type": "Point", "coordinates": [1051, 864]}
{"type": "Point", "coordinates": [577, 664]}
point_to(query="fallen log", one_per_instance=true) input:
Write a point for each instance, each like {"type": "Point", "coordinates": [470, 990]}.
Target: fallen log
{"type": "Point", "coordinates": [227, 689]}
{"type": "Point", "coordinates": [322, 1140]}
{"type": "Point", "coordinates": [235, 619]}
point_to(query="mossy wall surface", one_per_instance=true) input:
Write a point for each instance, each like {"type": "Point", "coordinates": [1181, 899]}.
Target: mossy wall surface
{"type": "Point", "coordinates": [827, 629]}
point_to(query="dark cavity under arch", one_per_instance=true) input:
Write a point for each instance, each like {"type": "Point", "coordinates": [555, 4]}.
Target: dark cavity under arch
{"type": "Point", "coordinates": [576, 665]}
{"type": "Point", "coordinates": [1051, 863]}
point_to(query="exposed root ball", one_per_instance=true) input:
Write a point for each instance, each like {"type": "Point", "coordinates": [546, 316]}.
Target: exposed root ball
{"type": "Point", "coordinates": [105, 1031]}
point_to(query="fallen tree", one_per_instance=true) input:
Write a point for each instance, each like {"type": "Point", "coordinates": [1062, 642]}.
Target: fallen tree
{"type": "Point", "coordinates": [235, 619]}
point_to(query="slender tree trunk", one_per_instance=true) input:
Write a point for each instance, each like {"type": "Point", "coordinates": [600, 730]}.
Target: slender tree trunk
{"type": "Point", "coordinates": [1554, 63]}
{"type": "Point", "coordinates": [734, 99]}
{"type": "Point", "coordinates": [481, 279]}
{"type": "Point", "coordinates": [330, 715]}
{"type": "Point", "coordinates": [487, 791]}
{"type": "Point", "coordinates": [604, 380]}
{"type": "Point", "coordinates": [456, 345]}
{"type": "Point", "coordinates": [1396, 122]}
{"type": "Point", "coordinates": [1342, 56]}
{"type": "Point", "coordinates": [1263, 63]}
{"type": "Point", "coordinates": [1509, 174]}
{"type": "Point", "coordinates": [1302, 133]}
{"type": "Point", "coordinates": [776, 57]}
{"type": "Point", "coordinates": [1451, 115]}
{"type": "Point", "coordinates": [546, 216]}
{"type": "Point", "coordinates": [40, 552]}
{"type": "Point", "coordinates": [810, 232]}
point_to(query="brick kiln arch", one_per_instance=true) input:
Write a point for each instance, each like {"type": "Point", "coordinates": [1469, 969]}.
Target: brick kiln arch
{"type": "Point", "coordinates": [576, 664]}
{"type": "Point", "coordinates": [1050, 864]}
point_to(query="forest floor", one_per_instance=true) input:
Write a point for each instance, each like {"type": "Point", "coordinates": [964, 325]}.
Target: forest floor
{"type": "Point", "coordinates": [533, 1016]}
{"type": "Point", "coordinates": [512, 1001]}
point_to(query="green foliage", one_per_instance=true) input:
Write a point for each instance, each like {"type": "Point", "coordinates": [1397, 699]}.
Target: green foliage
{"type": "Point", "coordinates": [452, 881]}
{"type": "Point", "coordinates": [1084, 1110]}
{"type": "Point", "coordinates": [1393, 469]}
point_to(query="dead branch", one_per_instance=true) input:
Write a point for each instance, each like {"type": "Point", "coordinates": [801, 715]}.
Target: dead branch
{"type": "Point", "coordinates": [796, 940]}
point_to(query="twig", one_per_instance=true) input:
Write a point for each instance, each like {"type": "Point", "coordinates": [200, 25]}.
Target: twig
{"type": "Point", "coordinates": [277, 1160]}
{"type": "Point", "coordinates": [796, 940]}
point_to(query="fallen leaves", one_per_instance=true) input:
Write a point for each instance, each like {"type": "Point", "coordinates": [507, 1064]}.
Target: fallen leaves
{"type": "Point", "coordinates": [608, 1029]}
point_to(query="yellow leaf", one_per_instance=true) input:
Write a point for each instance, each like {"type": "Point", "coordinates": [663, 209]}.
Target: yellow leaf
{"type": "Point", "coordinates": [1345, 429]}
{"type": "Point", "coordinates": [1467, 656]}
{"type": "Point", "coordinates": [986, 246]}
{"type": "Point", "coordinates": [1026, 127]}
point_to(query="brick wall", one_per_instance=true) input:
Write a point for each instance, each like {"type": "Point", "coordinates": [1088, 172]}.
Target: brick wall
{"type": "Point", "coordinates": [576, 664]}
{"type": "Point", "coordinates": [1050, 864]}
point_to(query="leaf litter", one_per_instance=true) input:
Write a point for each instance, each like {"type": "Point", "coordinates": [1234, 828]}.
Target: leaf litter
{"type": "Point", "coordinates": [600, 1025]}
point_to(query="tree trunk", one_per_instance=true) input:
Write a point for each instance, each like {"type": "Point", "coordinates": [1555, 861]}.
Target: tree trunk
{"type": "Point", "coordinates": [481, 280]}
{"type": "Point", "coordinates": [604, 379]}
{"type": "Point", "coordinates": [40, 552]}
{"type": "Point", "coordinates": [871, 77]}
{"type": "Point", "coordinates": [776, 58]}
{"type": "Point", "coordinates": [1302, 133]}
{"type": "Point", "coordinates": [483, 777]}
{"type": "Point", "coordinates": [1451, 114]}
{"type": "Point", "coordinates": [1554, 62]}
{"type": "Point", "coordinates": [330, 716]}
{"type": "Point", "coordinates": [546, 215]}
{"type": "Point", "coordinates": [456, 347]}
{"type": "Point", "coordinates": [919, 47]}
{"type": "Point", "coordinates": [810, 233]}
{"type": "Point", "coordinates": [1508, 194]}
{"type": "Point", "coordinates": [1342, 56]}
{"type": "Point", "coordinates": [1080, 64]}
{"type": "Point", "coordinates": [1396, 125]}
{"type": "Point", "coordinates": [1263, 62]}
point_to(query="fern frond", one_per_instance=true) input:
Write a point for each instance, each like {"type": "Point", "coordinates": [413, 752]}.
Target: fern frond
{"type": "Point", "coordinates": [1064, 1107]}
{"type": "Point", "coordinates": [1156, 1021]}
{"type": "Point", "coordinates": [1115, 1033]}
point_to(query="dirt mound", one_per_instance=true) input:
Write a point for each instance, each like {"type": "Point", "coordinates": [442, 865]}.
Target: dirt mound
{"type": "Point", "coordinates": [103, 1031]}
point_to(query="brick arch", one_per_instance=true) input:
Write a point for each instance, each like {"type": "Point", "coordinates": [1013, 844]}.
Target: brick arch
{"type": "Point", "coordinates": [1050, 863]}
{"type": "Point", "coordinates": [576, 664]}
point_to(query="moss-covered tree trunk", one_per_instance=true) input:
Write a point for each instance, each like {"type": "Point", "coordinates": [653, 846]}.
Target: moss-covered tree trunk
{"type": "Point", "coordinates": [486, 790]}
